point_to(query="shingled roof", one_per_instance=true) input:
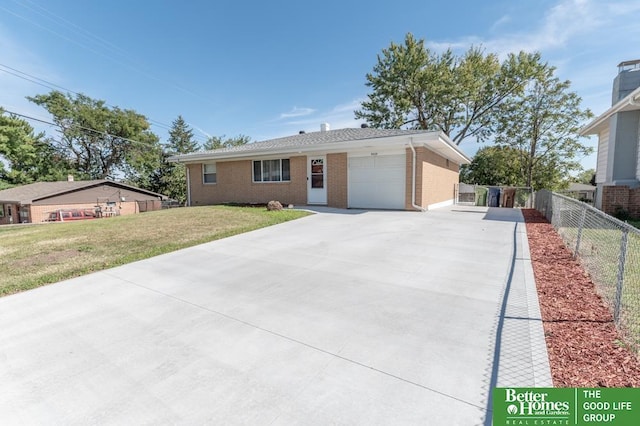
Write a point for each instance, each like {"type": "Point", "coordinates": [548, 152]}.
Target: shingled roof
{"type": "Point", "coordinates": [320, 140]}
{"type": "Point", "coordinates": [27, 194]}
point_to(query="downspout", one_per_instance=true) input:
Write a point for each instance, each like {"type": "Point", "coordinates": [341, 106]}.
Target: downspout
{"type": "Point", "coordinates": [413, 179]}
{"type": "Point", "coordinates": [188, 186]}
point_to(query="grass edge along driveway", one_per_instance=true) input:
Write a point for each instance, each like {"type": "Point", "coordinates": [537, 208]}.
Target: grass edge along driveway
{"type": "Point", "coordinates": [35, 255]}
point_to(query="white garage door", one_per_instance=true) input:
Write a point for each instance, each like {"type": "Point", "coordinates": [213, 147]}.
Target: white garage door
{"type": "Point", "coordinates": [377, 182]}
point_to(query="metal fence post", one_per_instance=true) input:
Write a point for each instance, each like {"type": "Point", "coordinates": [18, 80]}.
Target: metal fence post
{"type": "Point", "coordinates": [580, 227]}
{"type": "Point", "coordinates": [620, 281]}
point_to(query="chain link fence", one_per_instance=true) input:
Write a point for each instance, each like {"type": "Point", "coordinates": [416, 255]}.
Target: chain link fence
{"type": "Point", "coordinates": [493, 196]}
{"type": "Point", "coordinates": [608, 249]}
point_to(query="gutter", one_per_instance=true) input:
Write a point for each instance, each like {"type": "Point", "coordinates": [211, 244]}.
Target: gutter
{"type": "Point", "coordinates": [188, 186]}
{"type": "Point", "coordinates": [413, 179]}
{"type": "Point", "coordinates": [631, 99]}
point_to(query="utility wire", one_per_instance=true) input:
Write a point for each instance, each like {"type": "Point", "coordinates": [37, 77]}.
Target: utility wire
{"type": "Point", "coordinates": [109, 57]}
{"type": "Point", "coordinates": [78, 126]}
{"type": "Point", "coordinates": [75, 28]}
{"type": "Point", "coordinates": [37, 80]}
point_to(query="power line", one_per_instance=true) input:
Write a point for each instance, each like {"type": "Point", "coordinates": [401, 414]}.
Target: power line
{"type": "Point", "coordinates": [113, 59]}
{"type": "Point", "coordinates": [78, 126]}
{"type": "Point", "coordinates": [75, 28]}
{"type": "Point", "coordinates": [37, 80]}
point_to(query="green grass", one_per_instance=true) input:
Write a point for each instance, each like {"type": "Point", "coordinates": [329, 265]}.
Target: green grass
{"type": "Point", "coordinates": [634, 222]}
{"type": "Point", "coordinates": [31, 256]}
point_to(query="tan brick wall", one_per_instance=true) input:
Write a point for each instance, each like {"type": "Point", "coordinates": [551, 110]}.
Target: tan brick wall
{"type": "Point", "coordinates": [435, 178]}
{"type": "Point", "coordinates": [621, 197]}
{"type": "Point", "coordinates": [234, 184]}
{"type": "Point", "coordinates": [337, 165]}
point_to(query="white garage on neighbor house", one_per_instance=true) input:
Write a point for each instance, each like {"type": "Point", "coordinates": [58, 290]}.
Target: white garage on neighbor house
{"type": "Point", "coordinates": [346, 168]}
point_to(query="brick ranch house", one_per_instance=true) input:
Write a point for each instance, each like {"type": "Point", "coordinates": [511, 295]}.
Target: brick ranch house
{"type": "Point", "coordinates": [33, 202]}
{"type": "Point", "coordinates": [345, 168]}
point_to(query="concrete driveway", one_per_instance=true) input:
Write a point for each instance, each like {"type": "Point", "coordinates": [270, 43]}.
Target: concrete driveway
{"type": "Point", "coordinates": [343, 317]}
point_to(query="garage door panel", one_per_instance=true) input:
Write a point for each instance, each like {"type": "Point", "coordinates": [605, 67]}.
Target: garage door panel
{"type": "Point", "coordinates": [377, 182]}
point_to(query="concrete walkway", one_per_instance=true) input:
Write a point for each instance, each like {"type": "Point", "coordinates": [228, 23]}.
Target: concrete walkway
{"type": "Point", "coordinates": [343, 317]}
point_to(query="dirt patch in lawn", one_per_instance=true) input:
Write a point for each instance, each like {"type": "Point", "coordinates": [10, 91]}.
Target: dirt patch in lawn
{"type": "Point", "coordinates": [585, 350]}
{"type": "Point", "coordinates": [47, 259]}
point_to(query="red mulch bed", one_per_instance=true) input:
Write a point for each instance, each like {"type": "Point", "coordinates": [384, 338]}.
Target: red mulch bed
{"type": "Point", "coordinates": [582, 341]}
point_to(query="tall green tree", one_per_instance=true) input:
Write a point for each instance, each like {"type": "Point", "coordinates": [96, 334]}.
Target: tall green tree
{"type": "Point", "coordinates": [217, 142]}
{"type": "Point", "coordinates": [494, 165]}
{"type": "Point", "coordinates": [170, 178]}
{"type": "Point", "coordinates": [413, 87]}
{"type": "Point", "coordinates": [504, 166]}
{"type": "Point", "coordinates": [542, 123]}
{"type": "Point", "coordinates": [587, 177]}
{"type": "Point", "coordinates": [181, 139]}
{"type": "Point", "coordinates": [99, 141]}
{"type": "Point", "coordinates": [25, 156]}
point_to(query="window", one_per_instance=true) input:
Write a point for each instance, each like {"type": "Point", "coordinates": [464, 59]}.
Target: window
{"type": "Point", "coordinates": [271, 171]}
{"type": "Point", "coordinates": [1, 210]}
{"type": "Point", "coordinates": [209, 173]}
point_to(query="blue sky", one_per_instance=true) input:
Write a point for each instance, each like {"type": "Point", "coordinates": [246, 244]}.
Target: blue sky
{"type": "Point", "coordinates": [270, 69]}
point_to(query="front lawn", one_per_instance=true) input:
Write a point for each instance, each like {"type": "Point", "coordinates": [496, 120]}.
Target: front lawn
{"type": "Point", "coordinates": [34, 255]}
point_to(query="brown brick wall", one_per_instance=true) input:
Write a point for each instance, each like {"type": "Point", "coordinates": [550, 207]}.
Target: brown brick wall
{"type": "Point", "coordinates": [337, 165]}
{"type": "Point", "coordinates": [40, 213]}
{"type": "Point", "coordinates": [634, 202]}
{"type": "Point", "coordinates": [234, 184]}
{"type": "Point", "coordinates": [435, 178]}
{"type": "Point", "coordinates": [15, 214]}
{"type": "Point", "coordinates": [621, 197]}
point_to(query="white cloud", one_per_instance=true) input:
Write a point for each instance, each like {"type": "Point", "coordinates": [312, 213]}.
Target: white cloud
{"type": "Point", "coordinates": [500, 22]}
{"type": "Point", "coordinates": [583, 39]}
{"type": "Point", "coordinates": [561, 24]}
{"type": "Point", "coordinates": [339, 116]}
{"type": "Point", "coordinates": [297, 112]}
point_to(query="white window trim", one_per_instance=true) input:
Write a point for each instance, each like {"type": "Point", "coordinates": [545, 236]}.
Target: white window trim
{"type": "Point", "coordinates": [204, 182]}
{"type": "Point", "coordinates": [253, 175]}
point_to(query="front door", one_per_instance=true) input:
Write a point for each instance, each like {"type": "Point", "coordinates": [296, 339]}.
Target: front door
{"type": "Point", "coordinates": [317, 180]}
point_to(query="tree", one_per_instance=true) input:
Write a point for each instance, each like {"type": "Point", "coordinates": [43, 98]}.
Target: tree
{"type": "Point", "coordinates": [587, 177]}
{"type": "Point", "coordinates": [181, 140]}
{"type": "Point", "coordinates": [170, 178]}
{"type": "Point", "coordinates": [543, 123]}
{"type": "Point", "coordinates": [494, 165]}
{"type": "Point", "coordinates": [101, 142]}
{"type": "Point", "coordinates": [415, 88]}
{"type": "Point", "coordinates": [217, 142]}
{"type": "Point", "coordinates": [26, 157]}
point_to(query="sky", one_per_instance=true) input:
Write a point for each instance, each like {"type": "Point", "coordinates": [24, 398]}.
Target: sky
{"type": "Point", "coordinates": [271, 69]}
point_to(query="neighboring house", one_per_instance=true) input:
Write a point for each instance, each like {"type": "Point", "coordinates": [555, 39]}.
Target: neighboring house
{"type": "Point", "coordinates": [346, 168]}
{"type": "Point", "coordinates": [618, 166]}
{"type": "Point", "coordinates": [34, 202]}
{"type": "Point", "coordinates": [582, 191]}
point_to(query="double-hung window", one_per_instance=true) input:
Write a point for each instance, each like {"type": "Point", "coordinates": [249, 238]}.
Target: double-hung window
{"type": "Point", "coordinates": [209, 173]}
{"type": "Point", "coordinates": [271, 171]}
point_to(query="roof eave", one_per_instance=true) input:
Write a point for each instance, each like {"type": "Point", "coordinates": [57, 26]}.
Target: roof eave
{"type": "Point", "coordinates": [437, 141]}
{"type": "Point", "coordinates": [628, 103]}
{"type": "Point", "coordinates": [450, 150]}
